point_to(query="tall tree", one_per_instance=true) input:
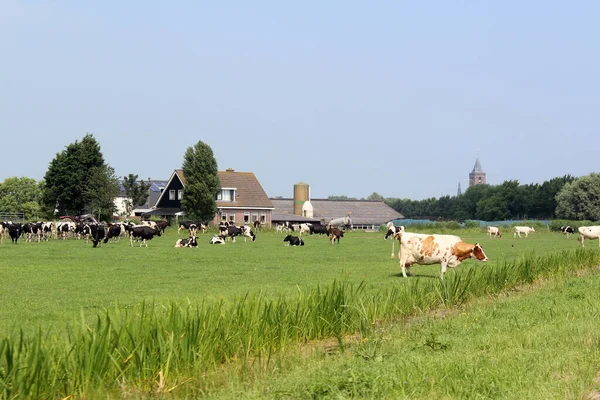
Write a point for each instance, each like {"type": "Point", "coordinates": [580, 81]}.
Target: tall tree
{"type": "Point", "coordinates": [580, 199]}
{"type": "Point", "coordinates": [21, 195]}
{"type": "Point", "coordinates": [101, 190]}
{"type": "Point", "coordinates": [375, 196]}
{"type": "Point", "coordinates": [201, 182]}
{"type": "Point", "coordinates": [67, 179]}
{"type": "Point", "coordinates": [136, 192]}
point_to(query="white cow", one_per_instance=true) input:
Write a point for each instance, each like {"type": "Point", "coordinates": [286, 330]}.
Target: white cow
{"type": "Point", "coordinates": [523, 229]}
{"type": "Point", "coordinates": [493, 232]}
{"type": "Point", "coordinates": [304, 228]}
{"type": "Point", "coordinates": [424, 249]}
{"type": "Point", "coordinates": [589, 232]}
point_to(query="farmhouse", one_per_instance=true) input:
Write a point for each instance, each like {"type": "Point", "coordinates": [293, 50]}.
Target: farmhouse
{"type": "Point", "coordinates": [155, 190]}
{"type": "Point", "coordinates": [363, 214]}
{"type": "Point", "coordinates": [241, 200]}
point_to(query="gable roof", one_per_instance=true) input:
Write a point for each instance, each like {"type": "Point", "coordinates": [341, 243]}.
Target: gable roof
{"type": "Point", "coordinates": [362, 212]}
{"type": "Point", "coordinates": [173, 175]}
{"type": "Point", "coordinates": [249, 192]}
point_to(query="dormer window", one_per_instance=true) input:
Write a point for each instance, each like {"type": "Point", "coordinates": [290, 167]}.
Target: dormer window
{"type": "Point", "coordinates": [227, 194]}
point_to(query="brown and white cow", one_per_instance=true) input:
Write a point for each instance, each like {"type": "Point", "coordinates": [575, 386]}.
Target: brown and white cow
{"type": "Point", "coordinates": [493, 232]}
{"type": "Point", "coordinates": [425, 249]}
{"type": "Point", "coordinates": [590, 233]}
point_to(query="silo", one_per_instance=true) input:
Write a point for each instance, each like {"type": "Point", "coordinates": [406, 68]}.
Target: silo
{"type": "Point", "coordinates": [300, 196]}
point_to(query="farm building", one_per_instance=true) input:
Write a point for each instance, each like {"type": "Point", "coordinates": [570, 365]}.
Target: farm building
{"type": "Point", "coordinates": [365, 214]}
{"type": "Point", "coordinates": [242, 199]}
{"type": "Point", "coordinates": [154, 192]}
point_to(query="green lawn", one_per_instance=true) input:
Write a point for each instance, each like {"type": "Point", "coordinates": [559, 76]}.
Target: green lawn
{"type": "Point", "coordinates": [50, 282]}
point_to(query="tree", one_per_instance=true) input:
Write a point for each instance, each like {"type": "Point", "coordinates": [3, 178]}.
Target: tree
{"type": "Point", "coordinates": [340, 198]}
{"type": "Point", "coordinates": [21, 195]}
{"type": "Point", "coordinates": [68, 176]}
{"type": "Point", "coordinates": [201, 182]}
{"type": "Point", "coordinates": [580, 199]}
{"type": "Point", "coordinates": [102, 188]}
{"type": "Point", "coordinates": [375, 196]}
{"type": "Point", "coordinates": [136, 192]}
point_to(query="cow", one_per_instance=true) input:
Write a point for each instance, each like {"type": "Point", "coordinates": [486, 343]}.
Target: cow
{"type": "Point", "coordinates": [284, 227]}
{"type": "Point", "coordinates": [293, 241]}
{"type": "Point", "coordinates": [393, 230]}
{"type": "Point", "coordinates": [32, 231]}
{"type": "Point", "coordinates": [319, 229]}
{"type": "Point", "coordinates": [304, 228]}
{"type": "Point", "coordinates": [257, 224]}
{"type": "Point", "coordinates": [113, 232]}
{"type": "Point", "coordinates": [335, 234]}
{"type": "Point", "coordinates": [97, 233]}
{"type": "Point", "coordinates": [493, 232]}
{"type": "Point", "coordinates": [190, 242]}
{"type": "Point", "coordinates": [590, 233]}
{"type": "Point", "coordinates": [217, 239]}
{"type": "Point", "coordinates": [567, 230]}
{"type": "Point", "coordinates": [523, 229]}
{"type": "Point", "coordinates": [151, 224]}
{"type": "Point", "coordinates": [426, 249]}
{"type": "Point", "coordinates": [14, 231]}
{"type": "Point", "coordinates": [233, 231]}
{"type": "Point", "coordinates": [144, 233]}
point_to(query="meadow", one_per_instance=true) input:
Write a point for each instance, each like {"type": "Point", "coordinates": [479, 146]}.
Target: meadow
{"type": "Point", "coordinates": [49, 286]}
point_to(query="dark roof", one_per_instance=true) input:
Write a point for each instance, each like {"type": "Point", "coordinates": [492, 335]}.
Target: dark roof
{"type": "Point", "coordinates": [249, 191]}
{"type": "Point", "coordinates": [156, 187]}
{"type": "Point", "coordinates": [362, 212]}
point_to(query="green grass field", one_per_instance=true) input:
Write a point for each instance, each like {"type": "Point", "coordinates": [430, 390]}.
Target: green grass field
{"type": "Point", "coordinates": [50, 285]}
{"type": "Point", "coordinates": [46, 284]}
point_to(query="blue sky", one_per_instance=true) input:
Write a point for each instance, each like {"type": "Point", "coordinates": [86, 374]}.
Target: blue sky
{"type": "Point", "coordinates": [393, 97]}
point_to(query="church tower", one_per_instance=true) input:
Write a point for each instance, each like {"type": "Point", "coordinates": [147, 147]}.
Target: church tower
{"type": "Point", "coordinates": [477, 176]}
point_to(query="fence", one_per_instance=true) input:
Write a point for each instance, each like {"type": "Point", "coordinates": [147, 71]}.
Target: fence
{"type": "Point", "coordinates": [13, 217]}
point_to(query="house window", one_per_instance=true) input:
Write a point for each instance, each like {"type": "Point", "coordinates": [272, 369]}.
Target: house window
{"type": "Point", "coordinates": [231, 217]}
{"type": "Point", "coordinates": [224, 217]}
{"type": "Point", "coordinates": [171, 195]}
{"type": "Point", "coordinates": [263, 218]}
{"type": "Point", "coordinates": [180, 194]}
{"type": "Point", "coordinates": [254, 217]}
{"type": "Point", "coordinates": [226, 194]}
{"type": "Point", "coordinates": [246, 217]}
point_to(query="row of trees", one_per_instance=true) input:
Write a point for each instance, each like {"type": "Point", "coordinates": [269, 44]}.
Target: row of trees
{"type": "Point", "coordinates": [79, 181]}
{"type": "Point", "coordinates": [562, 197]}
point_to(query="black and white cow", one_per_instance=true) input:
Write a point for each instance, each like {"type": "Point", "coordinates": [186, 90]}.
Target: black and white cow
{"type": "Point", "coordinates": [113, 232]}
{"type": "Point", "coordinates": [189, 242]}
{"type": "Point", "coordinates": [144, 233]}
{"type": "Point", "coordinates": [293, 241]}
{"type": "Point", "coordinates": [217, 239]}
{"type": "Point", "coordinates": [234, 231]}
{"type": "Point", "coordinates": [567, 230]}
{"type": "Point", "coordinates": [393, 230]}
{"type": "Point", "coordinates": [97, 233]}
{"type": "Point", "coordinates": [14, 231]}
{"type": "Point", "coordinates": [32, 231]}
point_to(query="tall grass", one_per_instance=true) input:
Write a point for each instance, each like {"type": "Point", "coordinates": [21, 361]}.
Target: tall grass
{"type": "Point", "coordinates": [153, 349]}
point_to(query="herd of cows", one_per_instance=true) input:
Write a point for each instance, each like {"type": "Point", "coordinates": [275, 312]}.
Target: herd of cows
{"type": "Point", "coordinates": [414, 248]}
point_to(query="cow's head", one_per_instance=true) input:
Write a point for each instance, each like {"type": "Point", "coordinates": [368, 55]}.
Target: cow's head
{"type": "Point", "coordinates": [478, 253]}
{"type": "Point", "coordinates": [287, 238]}
{"type": "Point", "coordinates": [532, 229]}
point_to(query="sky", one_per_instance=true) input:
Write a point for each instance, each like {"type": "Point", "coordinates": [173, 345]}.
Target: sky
{"type": "Point", "coordinates": [393, 97]}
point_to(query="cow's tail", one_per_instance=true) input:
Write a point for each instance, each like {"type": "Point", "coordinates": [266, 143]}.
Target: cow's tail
{"type": "Point", "coordinates": [396, 235]}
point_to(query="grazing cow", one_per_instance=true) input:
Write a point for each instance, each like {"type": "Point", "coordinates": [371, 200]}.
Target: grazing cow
{"type": "Point", "coordinates": [64, 228]}
{"type": "Point", "coordinates": [217, 239]}
{"type": "Point", "coordinates": [97, 233]}
{"type": "Point", "coordinates": [590, 233]}
{"type": "Point", "coordinates": [113, 232]}
{"type": "Point", "coordinates": [393, 230]}
{"type": "Point", "coordinates": [293, 241]}
{"type": "Point", "coordinates": [567, 230]}
{"type": "Point", "coordinates": [151, 224]}
{"type": "Point", "coordinates": [189, 242]}
{"type": "Point", "coordinates": [523, 229]}
{"type": "Point", "coordinates": [257, 224]}
{"type": "Point", "coordinates": [319, 229]}
{"type": "Point", "coordinates": [284, 227]}
{"type": "Point", "coordinates": [424, 249]}
{"type": "Point", "coordinates": [493, 232]}
{"type": "Point", "coordinates": [335, 234]}
{"type": "Point", "coordinates": [144, 233]}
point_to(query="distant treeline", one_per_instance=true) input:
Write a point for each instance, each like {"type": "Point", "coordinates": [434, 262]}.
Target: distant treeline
{"type": "Point", "coordinates": [509, 200]}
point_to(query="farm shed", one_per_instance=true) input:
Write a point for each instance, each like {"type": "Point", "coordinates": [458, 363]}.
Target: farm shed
{"type": "Point", "coordinates": [365, 214]}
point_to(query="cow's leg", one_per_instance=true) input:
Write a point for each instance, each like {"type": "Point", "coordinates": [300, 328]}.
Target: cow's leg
{"type": "Point", "coordinates": [131, 240]}
{"type": "Point", "coordinates": [403, 259]}
{"type": "Point", "coordinates": [443, 268]}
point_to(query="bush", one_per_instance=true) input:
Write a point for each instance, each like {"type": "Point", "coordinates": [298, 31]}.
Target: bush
{"type": "Point", "coordinates": [555, 225]}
